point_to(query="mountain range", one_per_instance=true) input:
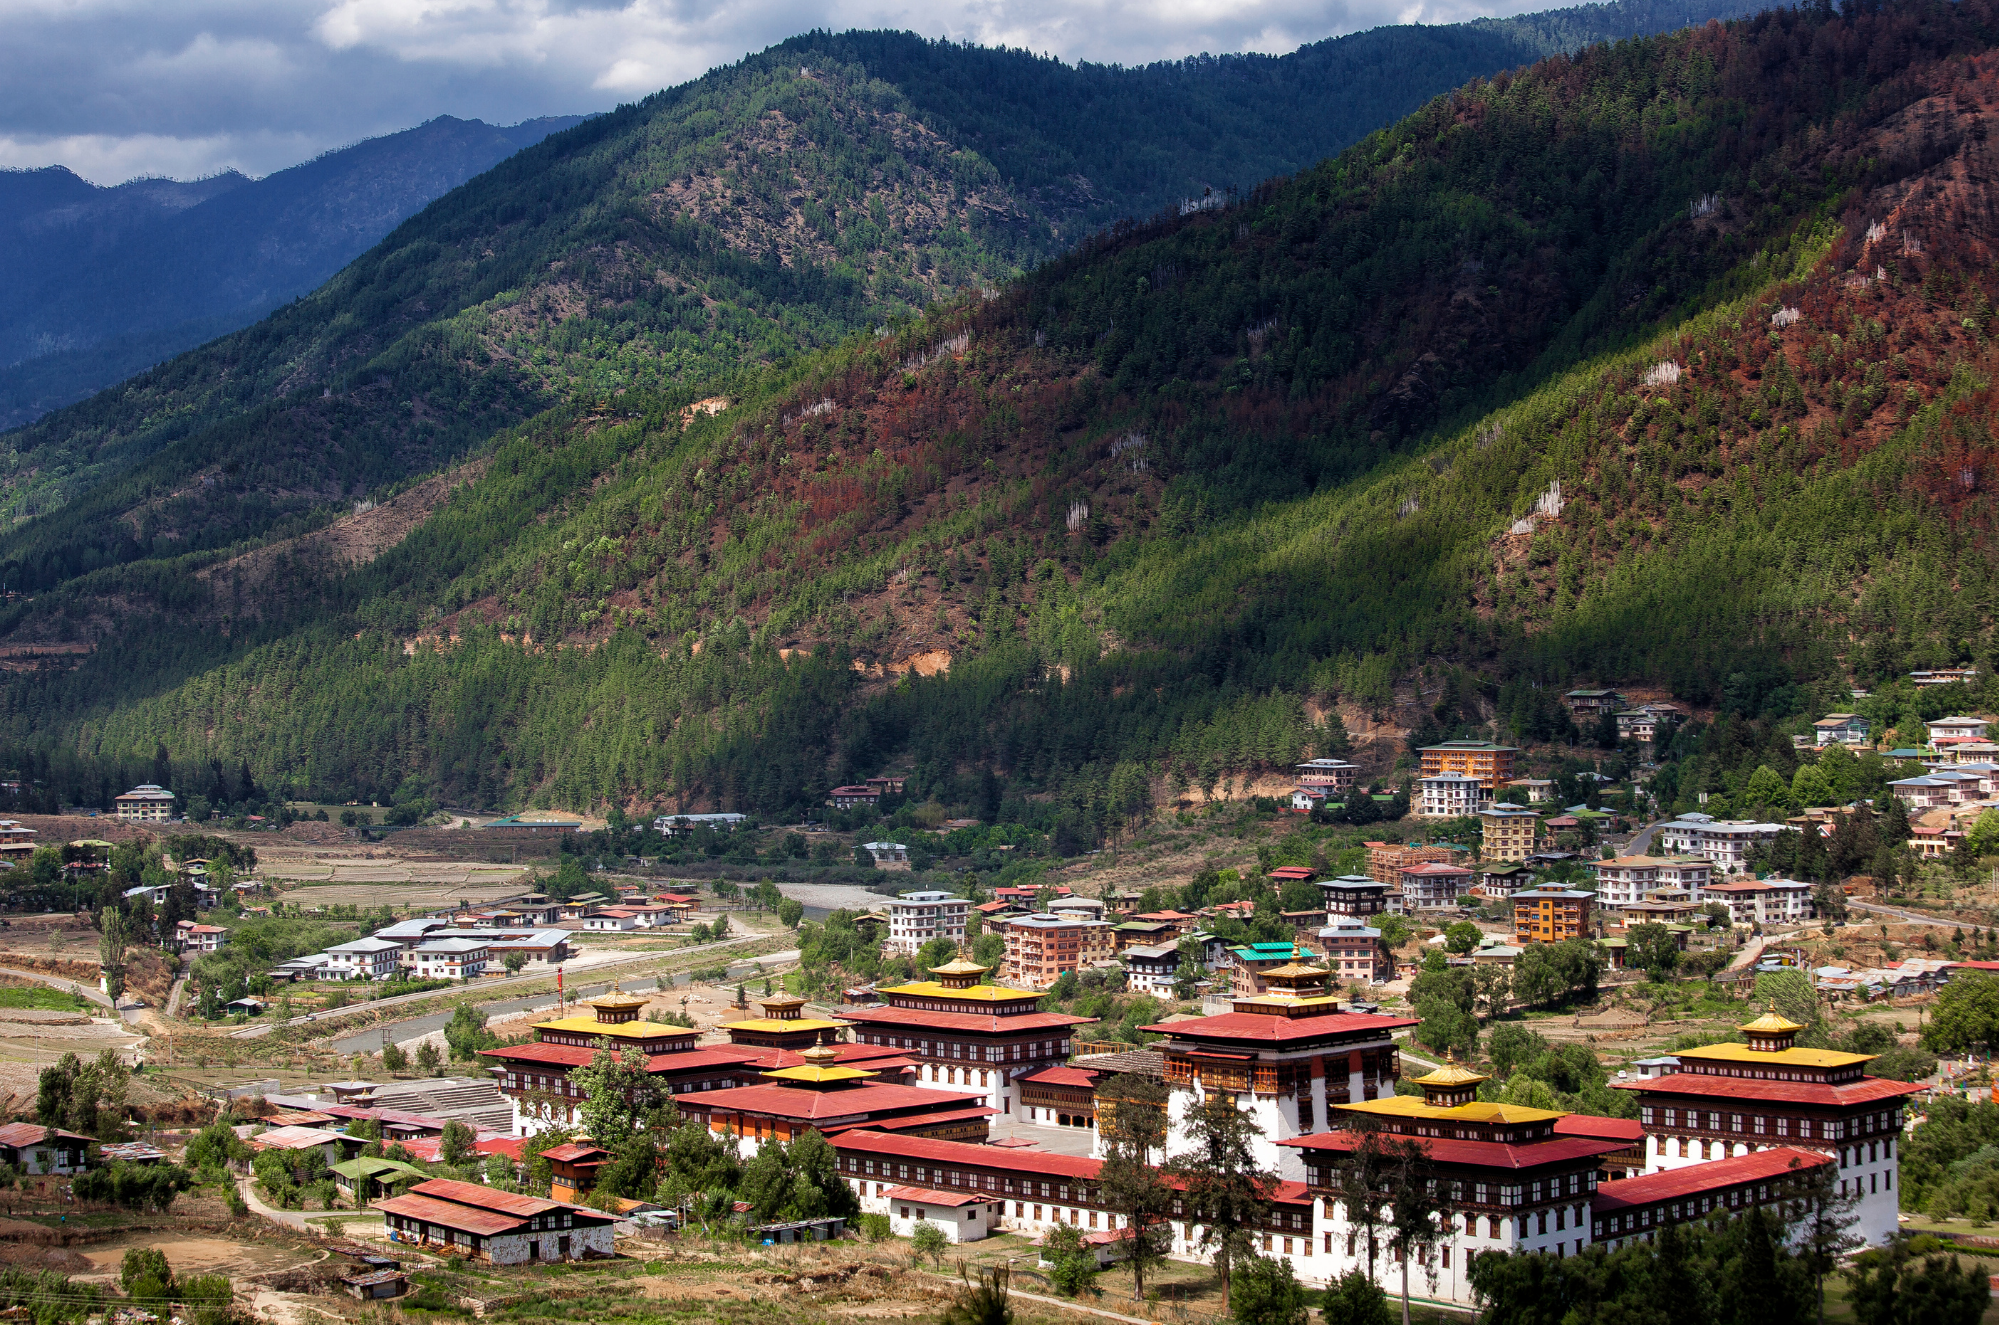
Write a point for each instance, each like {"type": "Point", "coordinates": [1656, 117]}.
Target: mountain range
{"type": "Point", "coordinates": [97, 283]}
{"type": "Point", "coordinates": [1668, 361]}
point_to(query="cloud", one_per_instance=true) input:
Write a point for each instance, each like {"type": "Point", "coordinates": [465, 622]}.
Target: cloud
{"type": "Point", "coordinates": [112, 88]}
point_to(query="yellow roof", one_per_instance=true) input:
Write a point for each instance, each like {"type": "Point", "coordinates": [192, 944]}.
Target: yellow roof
{"type": "Point", "coordinates": [1450, 1073]}
{"type": "Point", "coordinates": [782, 1025]}
{"type": "Point", "coordinates": [816, 1073]}
{"type": "Point", "coordinates": [624, 1030]}
{"type": "Point", "coordinates": [614, 999]}
{"type": "Point", "coordinates": [960, 966]}
{"type": "Point", "coordinates": [1410, 1106]}
{"type": "Point", "coordinates": [1743, 1053]}
{"type": "Point", "coordinates": [934, 989]}
{"type": "Point", "coordinates": [1770, 1024]}
{"type": "Point", "coordinates": [1291, 1002]}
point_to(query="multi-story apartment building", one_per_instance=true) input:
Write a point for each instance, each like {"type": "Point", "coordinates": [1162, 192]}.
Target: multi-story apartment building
{"type": "Point", "coordinates": [1355, 952]}
{"type": "Point", "coordinates": [1945, 731]}
{"type": "Point", "coordinates": [1151, 968]}
{"type": "Point", "coordinates": [1388, 860]}
{"type": "Point", "coordinates": [452, 958]}
{"type": "Point", "coordinates": [1507, 832]}
{"type": "Point", "coordinates": [1762, 901]}
{"type": "Point", "coordinates": [1434, 886]}
{"type": "Point", "coordinates": [364, 959]}
{"type": "Point", "coordinates": [1551, 913]}
{"type": "Point", "coordinates": [1040, 947]}
{"type": "Point", "coordinates": [1627, 879]}
{"type": "Point", "coordinates": [917, 918]}
{"type": "Point", "coordinates": [961, 1033]}
{"type": "Point", "coordinates": [1724, 843]}
{"type": "Point", "coordinates": [146, 802]}
{"type": "Point", "coordinates": [1451, 796]}
{"type": "Point", "coordinates": [1731, 1100]}
{"type": "Point", "coordinates": [1491, 764]}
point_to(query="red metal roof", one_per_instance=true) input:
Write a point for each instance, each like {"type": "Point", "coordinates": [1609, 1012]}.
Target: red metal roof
{"type": "Point", "coordinates": [1065, 1076]}
{"type": "Point", "coordinates": [914, 1121]}
{"type": "Point", "coordinates": [572, 1152]}
{"type": "Point", "coordinates": [929, 1197]}
{"type": "Point", "coordinates": [1289, 872]}
{"type": "Point", "coordinates": [1703, 1086]}
{"type": "Point", "coordinates": [1260, 1029]}
{"type": "Point", "coordinates": [1435, 867]}
{"type": "Point", "coordinates": [485, 1198]}
{"type": "Point", "coordinates": [925, 1149]}
{"type": "Point", "coordinates": [1482, 1154]}
{"type": "Point", "coordinates": [782, 1101]}
{"type": "Point", "coordinates": [991, 1023]}
{"type": "Point", "coordinates": [1695, 1179]}
{"type": "Point", "coordinates": [1611, 1129]}
{"type": "Point", "coordinates": [30, 1134]}
{"type": "Point", "coordinates": [450, 1214]}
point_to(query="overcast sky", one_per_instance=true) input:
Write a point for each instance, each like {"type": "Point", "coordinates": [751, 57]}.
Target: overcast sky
{"type": "Point", "coordinates": [118, 88]}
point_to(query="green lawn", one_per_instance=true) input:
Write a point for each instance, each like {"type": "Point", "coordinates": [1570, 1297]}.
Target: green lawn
{"type": "Point", "coordinates": [41, 997]}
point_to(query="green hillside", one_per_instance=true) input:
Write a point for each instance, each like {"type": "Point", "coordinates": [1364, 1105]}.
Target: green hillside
{"type": "Point", "coordinates": [773, 206]}
{"type": "Point", "coordinates": [1171, 495]}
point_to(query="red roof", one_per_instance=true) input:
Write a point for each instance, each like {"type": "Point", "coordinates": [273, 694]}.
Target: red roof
{"type": "Point", "coordinates": [1288, 872]}
{"type": "Point", "coordinates": [451, 1215]}
{"type": "Point", "coordinates": [1065, 1076]}
{"type": "Point", "coordinates": [929, 1197]}
{"type": "Point", "coordinates": [1291, 1193]}
{"type": "Point", "coordinates": [1704, 1086]}
{"type": "Point", "coordinates": [1611, 1129]}
{"type": "Point", "coordinates": [1163, 917]}
{"type": "Point", "coordinates": [864, 1142]}
{"type": "Point", "coordinates": [1436, 867]}
{"type": "Point", "coordinates": [1694, 1179]}
{"type": "Point", "coordinates": [429, 1148]}
{"type": "Point", "coordinates": [992, 1023]}
{"type": "Point", "coordinates": [1976, 966]}
{"type": "Point", "coordinates": [783, 1101]}
{"type": "Point", "coordinates": [912, 1122]}
{"type": "Point", "coordinates": [1257, 1028]}
{"type": "Point", "coordinates": [571, 1152]}
{"type": "Point", "coordinates": [485, 1198]}
{"type": "Point", "coordinates": [31, 1134]}
{"type": "Point", "coordinates": [1483, 1154]}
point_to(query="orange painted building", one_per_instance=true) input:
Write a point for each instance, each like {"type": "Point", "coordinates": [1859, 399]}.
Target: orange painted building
{"type": "Point", "coordinates": [1552, 914]}
{"type": "Point", "coordinates": [1491, 764]}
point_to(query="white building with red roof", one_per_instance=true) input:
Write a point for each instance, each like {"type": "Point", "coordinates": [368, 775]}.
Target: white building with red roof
{"type": "Point", "coordinates": [964, 1035]}
{"type": "Point", "coordinates": [1637, 1209]}
{"type": "Point", "coordinates": [1731, 1100]}
{"type": "Point", "coordinates": [825, 1095]}
{"type": "Point", "coordinates": [1290, 1055]}
{"type": "Point", "coordinates": [501, 1228]}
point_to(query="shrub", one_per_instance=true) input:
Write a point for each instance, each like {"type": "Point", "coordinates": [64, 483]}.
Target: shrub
{"type": "Point", "coordinates": [874, 1227]}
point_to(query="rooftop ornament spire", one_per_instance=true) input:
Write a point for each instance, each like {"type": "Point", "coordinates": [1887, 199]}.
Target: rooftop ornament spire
{"type": "Point", "coordinates": [959, 973]}
{"type": "Point", "coordinates": [1451, 1084]}
{"type": "Point", "coordinates": [1770, 1033]}
{"type": "Point", "coordinates": [614, 1008]}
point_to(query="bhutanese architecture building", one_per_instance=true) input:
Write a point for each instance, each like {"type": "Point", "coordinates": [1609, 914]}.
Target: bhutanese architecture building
{"type": "Point", "coordinates": [1287, 1056]}
{"type": "Point", "coordinates": [1731, 1100]}
{"type": "Point", "coordinates": [966, 1036]}
{"type": "Point", "coordinates": [1515, 1182]}
{"type": "Point", "coordinates": [535, 1077]}
{"type": "Point", "coordinates": [825, 1095]}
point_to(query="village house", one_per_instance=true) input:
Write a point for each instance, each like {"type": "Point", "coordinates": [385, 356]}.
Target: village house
{"type": "Point", "coordinates": [190, 937]}
{"type": "Point", "coordinates": [1951, 731]}
{"type": "Point", "coordinates": [36, 1149]}
{"type": "Point", "coordinates": [1535, 791]}
{"type": "Point", "coordinates": [679, 825]}
{"type": "Point", "coordinates": [1762, 901]}
{"type": "Point", "coordinates": [888, 855]}
{"type": "Point", "coordinates": [1355, 895]}
{"type": "Point", "coordinates": [1944, 676]}
{"type": "Point", "coordinates": [1356, 952]}
{"type": "Point", "coordinates": [449, 959]}
{"type": "Point", "coordinates": [364, 959]}
{"type": "Point", "coordinates": [1586, 705]}
{"type": "Point", "coordinates": [1326, 777]}
{"type": "Point", "coordinates": [1643, 722]}
{"type": "Point", "coordinates": [1450, 796]}
{"type": "Point", "coordinates": [847, 798]}
{"type": "Point", "coordinates": [1151, 969]}
{"type": "Point", "coordinates": [501, 1228]}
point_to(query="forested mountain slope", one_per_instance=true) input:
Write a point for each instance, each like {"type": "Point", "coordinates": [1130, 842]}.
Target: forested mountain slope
{"type": "Point", "coordinates": [1671, 362]}
{"type": "Point", "coordinates": [772, 206]}
{"type": "Point", "coordinates": [96, 283]}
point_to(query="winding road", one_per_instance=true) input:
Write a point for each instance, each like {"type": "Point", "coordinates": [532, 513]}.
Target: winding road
{"type": "Point", "coordinates": [1904, 916]}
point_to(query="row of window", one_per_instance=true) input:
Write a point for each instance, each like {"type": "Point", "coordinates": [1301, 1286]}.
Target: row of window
{"type": "Point", "coordinates": [994, 1053]}
{"type": "Point", "coordinates": [926, 1176]}
{"type": "Point", "coordinates": [1758, 1124]}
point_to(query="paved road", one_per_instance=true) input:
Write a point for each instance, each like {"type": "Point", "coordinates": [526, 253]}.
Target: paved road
{"type": "Point", "coordinates": [1751, 952]}
{"type": "Point", "coordinates": [370, 1041]}
{"type": "Point", "coordinates": [1643, 839]}
{"type": "Point", "coordinates": [508, 982]}
{"type": "Point", "coordinates": [90, 992]}
{"type": "Point", "coordinates": [289, 1218]}
{"type": "Point", "coordinates": [1907, 917]}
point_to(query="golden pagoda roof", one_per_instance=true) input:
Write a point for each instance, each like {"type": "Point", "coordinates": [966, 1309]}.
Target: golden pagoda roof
{"type": "Point", "coordinates": [820, 1068]}
{"type": "Point", "coordinates": [783, 1025]}
{"type": "Point", "coordinates": [614, 1000]}
{"type": "Point", "coordinates": [1296, 970]}
{"type": "Point", "coordinates": [1479, 1111]}
{"type": "Point", "coordinates": [621, 1030]}
{"type": "Point", "coordinates": [1771, 1024]}
{"type": "Point", "coordinates": [960, 966]}
{"type": "Point", "coordinates": [1450, 1073]}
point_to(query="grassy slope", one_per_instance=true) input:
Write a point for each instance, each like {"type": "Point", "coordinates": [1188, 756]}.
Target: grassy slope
{"type": "Point", "coordinates": [927, 506]}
